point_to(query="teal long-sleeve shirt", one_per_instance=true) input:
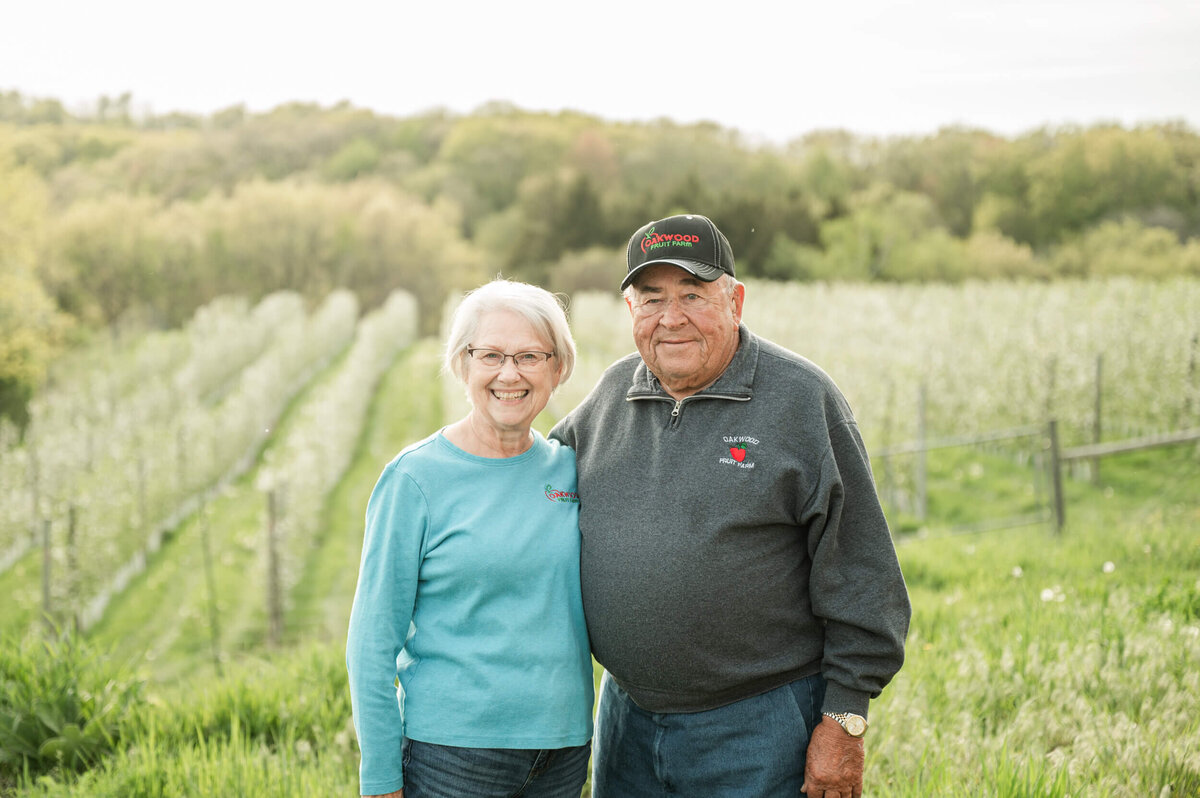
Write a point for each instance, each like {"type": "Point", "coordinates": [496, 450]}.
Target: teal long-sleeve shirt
{"type": "Point", "coordinates": [468, 592]}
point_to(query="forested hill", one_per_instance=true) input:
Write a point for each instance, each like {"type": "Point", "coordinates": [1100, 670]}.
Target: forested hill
{"type": "Point", "coordinates": [107, 217]}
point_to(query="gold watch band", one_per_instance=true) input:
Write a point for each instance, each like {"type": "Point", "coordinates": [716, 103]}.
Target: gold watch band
{"type": "Point", "coordinates": [855, 725]}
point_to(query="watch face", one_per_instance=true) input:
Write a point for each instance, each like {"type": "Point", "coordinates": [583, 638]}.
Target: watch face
{"type": "Point", "coordinates": [855, 725]}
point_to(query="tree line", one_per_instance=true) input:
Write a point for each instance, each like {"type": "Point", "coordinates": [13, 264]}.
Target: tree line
{"type": "Point", "coordinates": [108, 217]}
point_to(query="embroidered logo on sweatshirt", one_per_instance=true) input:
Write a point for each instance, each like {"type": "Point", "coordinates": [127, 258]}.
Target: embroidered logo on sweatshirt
{"type": "Point", "coordinates": [739, 455]}
{"type": "Point", "coordinates": [565, 496]}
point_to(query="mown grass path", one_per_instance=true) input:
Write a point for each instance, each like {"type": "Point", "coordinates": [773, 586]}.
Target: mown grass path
{"type": "Point", "coordinates": [406, 408]}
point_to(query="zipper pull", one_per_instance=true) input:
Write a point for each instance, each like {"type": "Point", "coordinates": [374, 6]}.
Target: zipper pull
{"type": "Point", "coordinates": [675, 412]}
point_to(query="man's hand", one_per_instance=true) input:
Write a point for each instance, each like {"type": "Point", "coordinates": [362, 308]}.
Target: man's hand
{"type": "Point", "coordinates": [833, 767]}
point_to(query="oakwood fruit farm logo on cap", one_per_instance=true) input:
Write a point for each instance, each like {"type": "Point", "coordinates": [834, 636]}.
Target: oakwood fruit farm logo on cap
{"type": "Point", "coordinates": [565, 496]}
{"type": "Point", "coordinates": [654, 240]}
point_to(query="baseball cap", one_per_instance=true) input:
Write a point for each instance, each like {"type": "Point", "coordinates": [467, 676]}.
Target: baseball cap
{"type": "Point", "coordinates": [689, 241]}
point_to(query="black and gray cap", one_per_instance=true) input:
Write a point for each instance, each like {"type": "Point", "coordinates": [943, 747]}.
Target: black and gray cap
{"type": "Point", "coordinates": [689, 241]}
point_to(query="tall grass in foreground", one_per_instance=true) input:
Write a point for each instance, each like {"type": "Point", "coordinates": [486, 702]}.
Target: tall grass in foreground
{"type": "Point", "coordinates": [1055, 666]}
{"type": "Point", "coordinates": [1039, 665]}
{"type": "Point", "coordinates": [270, 729]}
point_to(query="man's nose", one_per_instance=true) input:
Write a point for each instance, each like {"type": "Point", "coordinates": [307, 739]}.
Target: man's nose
{"type": "Point", "coordinates": [673, 315]}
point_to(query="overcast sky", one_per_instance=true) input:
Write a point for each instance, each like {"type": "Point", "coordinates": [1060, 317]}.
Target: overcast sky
{"type": "Point", "coordinates": [774, 70]}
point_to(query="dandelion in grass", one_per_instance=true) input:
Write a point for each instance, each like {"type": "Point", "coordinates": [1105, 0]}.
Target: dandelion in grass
{"type": "Point", "coordinates": [1053, 594]}
{"type": "Point", "coordinates": [1109, 567]}
{"type": "Point", "coordinates": [1017, 573]}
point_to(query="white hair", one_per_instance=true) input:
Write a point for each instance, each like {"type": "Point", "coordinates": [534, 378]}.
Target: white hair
{"type": "Point", "coordinates": [544, 311]}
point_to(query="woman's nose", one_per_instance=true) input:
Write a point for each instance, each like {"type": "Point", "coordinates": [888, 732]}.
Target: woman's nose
{"type": "Point", "coordinates": [509, 370]}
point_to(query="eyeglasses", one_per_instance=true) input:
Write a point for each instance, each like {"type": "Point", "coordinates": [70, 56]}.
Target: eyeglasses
{"type": "Point", "coordinates": [650, 305]}
{"type": "Point", "coordinates": [524, 361]}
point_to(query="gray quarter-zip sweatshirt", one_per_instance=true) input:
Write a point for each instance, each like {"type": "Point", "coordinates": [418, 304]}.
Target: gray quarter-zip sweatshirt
{"type": "Point", "coordinates": [733, 541]}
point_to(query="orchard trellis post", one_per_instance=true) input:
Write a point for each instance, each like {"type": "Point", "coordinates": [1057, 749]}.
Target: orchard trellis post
{"type": "Point", "coordinates": [34, 491]}
{"type": "Point", "coordinates": [1097, 424]}
{"type": "Point", "coordinates": [181, 457]}
{"type": "Point", "coordinates": [922, 461]}
{"type": "Point", "coordinates": [1056, 478]}
{"type": "Point", "coordinates": [1051, 379]}
{"type": "Point", "coordinates": [889, 482]}
{"type": "Point", "coordinates": [47, 564]}
{"type": "Point", "coordinates": [211, 582]}
{"type": "Point", "coordinates": [72, 575]}
{"type": "Point", "coordinates": [1191, 394]}
{"type": "Point", "coordinates": [274, 599]}
{"type": "Point", "coordinates": [143, 488]}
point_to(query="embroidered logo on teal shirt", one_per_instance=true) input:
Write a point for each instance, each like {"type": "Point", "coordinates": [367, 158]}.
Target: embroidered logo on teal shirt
{"type": "Point", "coordinates": [565, 496]}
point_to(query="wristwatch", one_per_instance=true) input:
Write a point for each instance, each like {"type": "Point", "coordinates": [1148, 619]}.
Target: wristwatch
{"type": "Point", "coordinates": [855, 725]}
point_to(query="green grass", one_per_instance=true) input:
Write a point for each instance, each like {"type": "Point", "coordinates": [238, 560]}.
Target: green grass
{"type": "Point", "coordinates": [270, 728]}
{"type": "Point", "coordinates": [21, 585]}
{"type": "Point", "coordinates": [1060, 665]}
{"type": "Point", "coordinates": [1039, 664]}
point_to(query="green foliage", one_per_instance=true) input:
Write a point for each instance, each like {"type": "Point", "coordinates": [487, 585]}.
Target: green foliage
{"type": "Point", "coordinates": [273, 728]}
{"type": "Point", "coordinates": [1087, 176]}
{"type": "Point", "coordinates": [153, 215]}
{"type": "Point", "coordinates": [302, 696]}
{"type": "Point", "coordinates": [31, 328]}
{"type": "Point", "coordinates": [1123, 247]}
{"type": "Point", "coordinates": [828, 175]}
{"type": "Point", "coordinates": [789, 260]}
{"type": "Point", "coordinates": [109, 258]}
{"type": "Point", "coordinates": [991, 255]}
{"type": "Point", "coordinates": [945, 169]}
{"type": "Point", "coordinates": [880, 237]}
{"type": "Point", "coordinates": [61, 706]}
{"type": "Point", "coordinates": [497, 148]}
{"type": "Point", "coordinates": [357, 157]}
{"type": "Point", "coordinates": [588, 270]}
{"type": "Point", "coordinates": [124, 253]}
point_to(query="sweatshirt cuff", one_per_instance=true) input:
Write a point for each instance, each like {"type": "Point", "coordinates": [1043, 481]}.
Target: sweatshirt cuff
{"type": "Point", "coordinates": [843, 699]}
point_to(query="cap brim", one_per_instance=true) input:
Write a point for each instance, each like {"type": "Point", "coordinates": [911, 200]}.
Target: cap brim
{"type": "Point", "coordinates": [702, 271]}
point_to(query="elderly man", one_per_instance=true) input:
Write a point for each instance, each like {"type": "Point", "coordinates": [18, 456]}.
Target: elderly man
{"type": "Point", "coordinates": [740, 584]}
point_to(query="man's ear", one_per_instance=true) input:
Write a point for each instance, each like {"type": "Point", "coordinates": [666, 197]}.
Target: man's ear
{"type": "Point", "coordinates": [739, 299]}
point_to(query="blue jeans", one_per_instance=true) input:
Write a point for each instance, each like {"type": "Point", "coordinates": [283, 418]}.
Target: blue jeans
{"type": "Point", "coordinates": [753, 748]}
{"type": "Point", "coordinates": [444, 771]}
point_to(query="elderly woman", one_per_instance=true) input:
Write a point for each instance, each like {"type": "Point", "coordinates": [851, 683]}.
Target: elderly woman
{"type": "Point", "coordinates": [468, 590]}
